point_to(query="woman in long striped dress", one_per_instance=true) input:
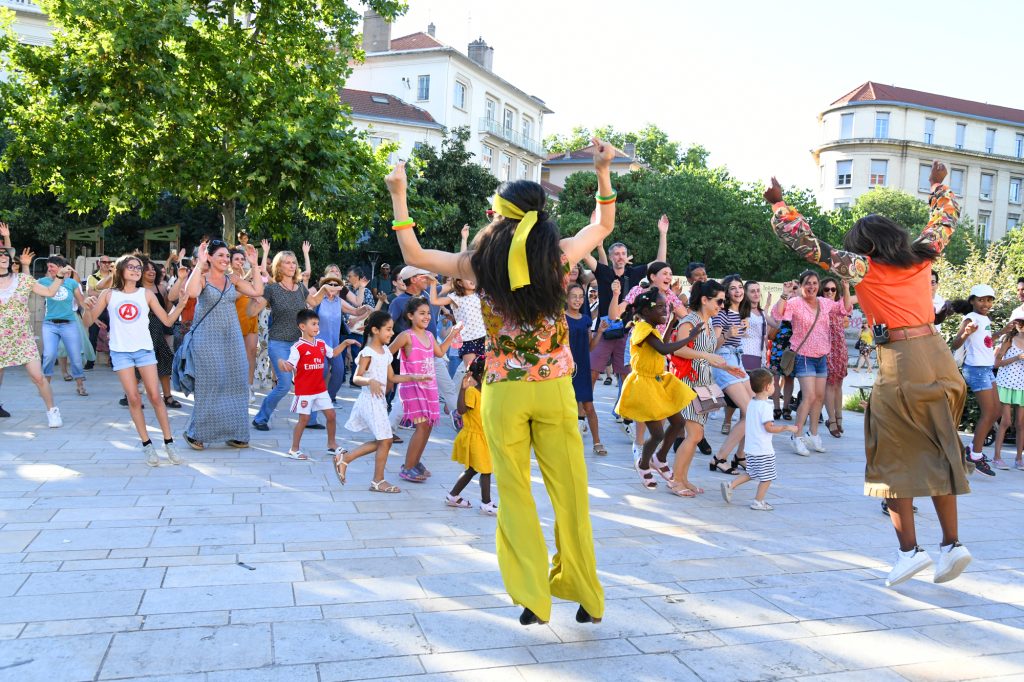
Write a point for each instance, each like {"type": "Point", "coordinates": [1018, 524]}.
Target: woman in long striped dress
{"type": "Point", "coordinates": [706, 299]}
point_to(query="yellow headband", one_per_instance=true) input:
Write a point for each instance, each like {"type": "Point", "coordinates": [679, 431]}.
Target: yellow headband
{"type": "Point", "coordinates": [518, 266]}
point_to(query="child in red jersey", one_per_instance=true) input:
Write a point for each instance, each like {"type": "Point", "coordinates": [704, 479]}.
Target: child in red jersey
{"type": "Point", "coordinates": [307, 360]}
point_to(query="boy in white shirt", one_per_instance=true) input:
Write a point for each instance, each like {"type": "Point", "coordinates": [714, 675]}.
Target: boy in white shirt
{"type": "Point", "coordinates": [760, 453]}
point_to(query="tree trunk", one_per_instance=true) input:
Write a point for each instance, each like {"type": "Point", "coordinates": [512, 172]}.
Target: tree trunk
{"type": "Point", "coordinates": [227, 212]}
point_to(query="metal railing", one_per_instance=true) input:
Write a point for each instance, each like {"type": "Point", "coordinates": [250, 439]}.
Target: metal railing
{"type": "Point", "coordinates": [23, 5]}
{"type": "Point", "coordinates": [490, 125]}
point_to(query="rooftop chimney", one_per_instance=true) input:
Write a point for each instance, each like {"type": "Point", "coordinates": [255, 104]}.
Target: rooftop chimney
{"type": "Point", "coordinates": [629, 149]}
{"type": "Point", "coordinates": [376, 33]}
{"type": "Point", "coordinates": [481, 54]}
{"type": "Point", "coordinates": [431, 29]}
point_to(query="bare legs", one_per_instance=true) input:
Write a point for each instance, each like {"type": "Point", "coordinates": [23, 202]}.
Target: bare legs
{"type": "Point", "coordinates": [151, 383]}
{"type": "Point", "coordinates": [381, 448]}
{"type": "Point", "coordinates": [988, 401]}
{"type": "Point", "coordinates": [684, 455]}
{"type": "Point", "coordinates": [901, 511]}
{"type": "Point", "coordinates": [834, 402]}
{"type": "Point", "coordinates": [251, 342]}
{"type": "Point", "coordinates": [34, 368]}
{"type": "Point", "coordinates": [813, 389]}
{"type": "Point", "coordinates": [418, 442]}
{"type": "Point", "coordinates": [741, 394]}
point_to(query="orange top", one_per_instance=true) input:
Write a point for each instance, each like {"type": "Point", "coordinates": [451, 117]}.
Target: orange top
{"type": "Point", "coordinates": [897, 296]}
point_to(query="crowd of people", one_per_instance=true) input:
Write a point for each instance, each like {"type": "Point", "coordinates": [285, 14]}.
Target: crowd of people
{"type": "Point", "coordinates": [509, 336]}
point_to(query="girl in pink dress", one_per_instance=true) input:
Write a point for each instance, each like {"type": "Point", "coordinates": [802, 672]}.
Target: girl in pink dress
{"type": "Point", "coordinates": [417, 348]}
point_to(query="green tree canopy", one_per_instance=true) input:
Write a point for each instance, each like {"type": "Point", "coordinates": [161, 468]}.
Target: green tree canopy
{"type": "Point", "coordinates": [653, 145]}
{"type": "Point", "coordinates": [223, 102]}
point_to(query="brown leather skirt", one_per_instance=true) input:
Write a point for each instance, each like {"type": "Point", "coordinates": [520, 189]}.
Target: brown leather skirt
{"type": "Point", "coordinates": [910, 427]}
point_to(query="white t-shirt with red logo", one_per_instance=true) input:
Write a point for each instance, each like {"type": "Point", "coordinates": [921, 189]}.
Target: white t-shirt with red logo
{"type": "Point", "coordinates": [129, 321]}
{"type": "Point", "coordinates": [309, 358]}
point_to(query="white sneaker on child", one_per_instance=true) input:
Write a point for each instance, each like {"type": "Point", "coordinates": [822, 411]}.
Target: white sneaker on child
{"type": "Point", "coordinates": [490, 509]}
{"type": "Point", "coordinates": [761, 505]}
{"type": "Point", "coordinates": [53, 419]}
{"type": "Point", "coordinates": [907, 565]}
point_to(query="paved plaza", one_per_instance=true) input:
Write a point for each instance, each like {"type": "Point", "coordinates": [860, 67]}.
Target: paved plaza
{"type": "Point", "coordinates": [244, 565]}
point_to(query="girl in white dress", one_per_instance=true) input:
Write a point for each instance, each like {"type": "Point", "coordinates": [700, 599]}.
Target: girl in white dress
{"type": "Point", "coordinates": [370, 412]}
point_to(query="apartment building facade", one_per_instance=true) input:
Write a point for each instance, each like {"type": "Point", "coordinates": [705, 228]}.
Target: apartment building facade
{"type": "Point", "coordinates": [886, 136]}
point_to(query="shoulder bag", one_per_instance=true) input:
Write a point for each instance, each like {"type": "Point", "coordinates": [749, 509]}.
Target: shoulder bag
{"type": "Point", "coordinates": [787, 363]}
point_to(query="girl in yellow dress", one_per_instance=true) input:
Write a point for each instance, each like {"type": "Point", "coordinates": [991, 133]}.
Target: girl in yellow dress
{"type": "Point", "coordinates": [470, 446]}
{"type": "Point", "coordinates": [651, 394]}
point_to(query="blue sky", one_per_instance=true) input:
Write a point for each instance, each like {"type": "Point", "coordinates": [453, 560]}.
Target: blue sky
{"type": "Point", "coordinates": [745, 79]}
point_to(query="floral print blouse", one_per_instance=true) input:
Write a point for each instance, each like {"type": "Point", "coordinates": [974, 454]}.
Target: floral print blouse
{"type": "Point", "coordinates": [539, 352]}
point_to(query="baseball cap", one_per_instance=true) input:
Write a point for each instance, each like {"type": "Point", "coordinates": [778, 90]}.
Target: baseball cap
{"type": "Point", "coordinates": [982, 290]}
{"type": "Point", "coordinates": [410, 271]}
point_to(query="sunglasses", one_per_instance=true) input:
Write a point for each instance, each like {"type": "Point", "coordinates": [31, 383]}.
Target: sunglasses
{"type": "Point", "coordinates": [216, 244]}
{"type": "Point", "coordinates": [720, 302]}
{"type": "Point", "coordinates": [830, 290]}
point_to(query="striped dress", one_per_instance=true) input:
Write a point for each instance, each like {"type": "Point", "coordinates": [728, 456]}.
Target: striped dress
{"type": "Point", "coordinates": [705, 343]}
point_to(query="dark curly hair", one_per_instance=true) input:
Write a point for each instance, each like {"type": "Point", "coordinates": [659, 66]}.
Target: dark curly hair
{"type": "Point", "coordinates": [544, 297]}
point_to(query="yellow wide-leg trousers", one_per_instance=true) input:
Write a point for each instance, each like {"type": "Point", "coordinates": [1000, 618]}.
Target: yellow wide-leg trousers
{"type": "Point", "coordinates": [518, 415]}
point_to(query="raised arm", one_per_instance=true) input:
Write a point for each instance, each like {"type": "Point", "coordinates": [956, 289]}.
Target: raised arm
{"type": "Point", "coordinates": [586, 240]}
{"type": "Point", "coordinates": [196, 280]}
{"type": "Point", "coordinates": [308, 272]}
{"type": "Point", "coordinates": [5, 235]}
{"type": "Point", "coordinates": [464, 243]}
{"type": "Point", "coordinates": [434, 260]}
{"type": "Point", "coordinates": [793, 230]}
{"type": "Point", "coordinates": [945, 212]}
{"type": "Point", "coordinates": [662, 238]}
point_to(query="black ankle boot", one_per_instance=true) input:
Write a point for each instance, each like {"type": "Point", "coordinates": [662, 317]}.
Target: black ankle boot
{"type": "Point", "coordinates": [528, 617]}
{"type": "Point", "coordinates": [583, 617]}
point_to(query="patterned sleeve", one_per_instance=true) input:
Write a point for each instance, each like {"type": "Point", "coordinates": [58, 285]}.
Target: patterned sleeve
{"type": "Point", "coordinates": [945, 213]}
{"type": "Point", "coordinates": [795, 233]}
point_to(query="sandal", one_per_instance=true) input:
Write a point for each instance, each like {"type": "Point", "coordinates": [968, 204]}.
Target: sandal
{"type": "Point", "coordinates": [600, 449]}
{"type": "Point", "coordinates": [297, 454]}
{"type": "Point", "coordinates": [833, 428]}
{"type": "Point", "coordinates": [681, 491]}
{"type": "Point", "coordinates": [662, 467]}
{"type": "Point", "coordinates": [234, 443]}
{"type": "Point", "coordinates": [411, 475]}
{"type": "Point", "coordinates": [739, 462]}
{"type": "Point", "coordinates": [339, 462]}
{"type": "Point", "coordinates": [726, 428]}
{"type": "Point", "coordinates": [193, 443]}
{"type": "Point", "coordinates": [839, 422]}
{"type": "Point", "coordinates": [646, 476]}
{"type": "Point", "coordinates": [68, 377]}
{"type": "Point", "coordinates": [383, 486]}
{"type": "Point", "coordinates": [395, 438]}
{"type": "Point", "coordinates": [777, 413]}
{"type": "Point", "coordinates": [81, 390]}
{"type": "Point", "coordinates": [170, 401]}
{"type": "Point", "coordinates": [787, 415]}
{"type": "Point", "coordinates": [457, 502]}
{"type": "Point", "coordinates": [716, 465]}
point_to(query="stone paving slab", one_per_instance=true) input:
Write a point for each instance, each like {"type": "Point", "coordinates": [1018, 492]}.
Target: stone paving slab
{"type": "Point", "coordinates": [111, 570]}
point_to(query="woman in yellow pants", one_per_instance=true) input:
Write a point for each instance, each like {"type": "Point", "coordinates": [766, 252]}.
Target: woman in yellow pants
{"type": "Point", "coordinates": [521, 266]}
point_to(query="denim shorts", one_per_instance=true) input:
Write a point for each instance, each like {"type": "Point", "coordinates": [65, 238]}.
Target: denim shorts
{"type": "Point", "coordinates": [811, 367]}
{"type": "Point", "coordinates": [733, 357]}
{"type": "Point", "coordinates": [979, 377]}
{"type": "Point", "coordinates": [136, 358]}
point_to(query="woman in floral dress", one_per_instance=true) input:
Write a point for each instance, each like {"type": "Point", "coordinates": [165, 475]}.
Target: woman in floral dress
{"type": "Point", "coordinates": [17, 345]}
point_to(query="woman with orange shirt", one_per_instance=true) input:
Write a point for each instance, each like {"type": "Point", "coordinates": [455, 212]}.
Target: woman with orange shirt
{"type": "Point", "coordinates": [910, 426]}
{"type": "Point", "coordinates": [521, 265]}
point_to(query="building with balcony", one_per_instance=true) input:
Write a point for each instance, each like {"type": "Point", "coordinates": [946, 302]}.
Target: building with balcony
{"type": "Point", "coordinates": [31, 24]}
{"type": "Point", "coordinates": [455, 89]}
{"type": "Point", "coordinates": [887, 136]}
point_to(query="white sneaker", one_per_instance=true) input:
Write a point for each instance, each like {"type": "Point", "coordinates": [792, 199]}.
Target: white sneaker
{"type": "Point", "coordinates": [761, 505]}
{"type": "Point", "coordinates": [814, 442]}
{"type": "Point", "coordinates": [53, 419]}
{"type": "Point", "coordinates": [152, 459]}
{"type": "Point", "coordinates": [907, 565]}
{"type": "Point", "coordinates": [799, 447]}
{"type": "Point", "coordinates": [637, 453]}
{"type": "Point", "coordinates": [172, 453]}
{"type": "Point", "coordinates": [583, 425]}
{"type": "Point", "coordinates": [490, 509]}
{"type": "Point", "coordinates": [726, 492]}
{"type": "Point", "coordinates": [252, 395]}
{"type": "Point", "coordinates": [952, 562]}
